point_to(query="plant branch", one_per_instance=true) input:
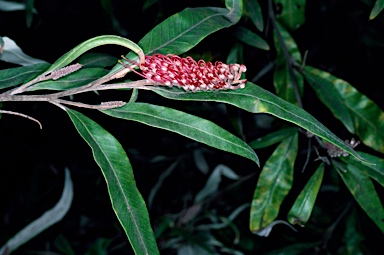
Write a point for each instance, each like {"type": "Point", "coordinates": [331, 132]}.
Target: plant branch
{"type": "Point", "coordinates": [22, 115]}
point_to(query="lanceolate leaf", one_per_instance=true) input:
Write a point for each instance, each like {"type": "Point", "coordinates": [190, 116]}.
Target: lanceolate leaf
{"type": "Point", "coordinates": [273, 184]}
{"type": "Point", "coordinates": [377, 8]}
{"type": "Point", "coordinates": [272, 138]}
{"type": "Point", "coordinates": [257, 100]}
{"type": "Point", "coordinates": [193, 127]}
{"type": "Point", "coordinates": [329, 95]}
{"type": "Point", "coordinates": [375, 170]}
{"type": "Point", "coordinates": [286, 77]}
{"type": "Point", "coordinates": [361, 187]}
{"type": "Point", "coordinates": [184, 30]}
{"type": "Point", "coordinates": [247, 36]}
{"type": "Point", "coordinates": [90, 44]}
{"type": "Point", "coordinates": [291, 13]}
{"type": "Point", "coordinates": [127, 202]}
{"type": "Point", "coordinates": [73, 80]}
{"type": "Point", "coordinates": [303, 206]}
{"type": "Point", "coordinates": [253, 11]}
{"type": "Point", "coordinates": [18, 75]}
{"type": "Point", "coordinates": [367, 117]}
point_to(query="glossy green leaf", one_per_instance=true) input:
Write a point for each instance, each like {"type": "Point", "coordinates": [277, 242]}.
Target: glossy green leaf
{"type": "Point", "coordinates": [303, 206]}
{"type": "Point", "coordinates": [100, 60]}
{"type": "Point", "coordinates": [272, 138]}
{"type": "Point", "coordinates": [291, 13]}
{"type": "Point", "coordinates": [329, 95]}
{"type": "Point", "coordinates": [90, 44]}
{"type": "Point", "coordinates": [286, 77]}
{"type": "Point", "coordinates": [363, 190]}
{"type": "Point", "coordinates": [377, 8]}
{"type": "Point", "coordinates": [73, 80]}
{"type": "Point", "coordinates": [127, 202]}
{"type": "Point", "coordinates": [248, 37]}
{"type": "Point", "coordinates": [257, 100]}
{"type": "Point", "coordinates": [190, 126]}
{"type": "Point", "coordinates": [184, 30]}
{"type": "Point", "coordinates": [273, 184]}
{"type": "Point", "coordinates": [367, 117]}
{"type": "Point", "coordinates": [18, 75]}
{"type": "Point", "coordinates": [375, 170]}
{"type": "Point", "coordinates": [253, 11]}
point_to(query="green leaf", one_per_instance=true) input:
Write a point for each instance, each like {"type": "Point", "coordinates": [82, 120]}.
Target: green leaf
{"type": "Point", "coordinates": [29, 10]}
{"type": "Point", "coordinates": [257, 100]}
{"type": "Point", "coordinates": [367, 117]}
{"type": "Point", "coordinates": [361, 187]}
{"type": "Point", "coordinates": [12, 53]}
{"type": "Point", "coordinates": [127, 202]}
{"type": "Point", "coordinates": [286, 77]}
{"type": "Point", "coordinates": [184, 30]}
{"type": "Point", "coordinates": [90, 44]}
{"type": "Point", "coordinates": [303, 206]}
{"type": "Point", "coordinates": [253, 11]}
{"type": "Point", "coordinates": [193, 127]}
{"type": "Point", "coordinates": [273, 184]}
{"type": "Point", "coordinates": [73, 80]}
{"type": "Point", "coordinates": [328, 94]}
{"type": "Point", "coordinates": [100, 60]}
{"type": "Point", "coordinates": [272, 138]}
{"type": "Point", "coordinates": [375, 170]}
{"type": "Point", "coordinates": [18, 75]}
{"type": "Point", "coordinates": [377, 8]}
{"type": "Point", "coordinates": [291, 13]}
{"type": "Point", "coordinates": [352, 237]}
{"type": "Point", "coordinates": [236, 54]}
{"type": "Point", "coordinates": [248, 37]}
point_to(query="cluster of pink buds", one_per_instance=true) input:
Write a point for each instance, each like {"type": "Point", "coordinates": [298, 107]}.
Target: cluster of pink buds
{"type": "Point", "coordinates": [172, 70]}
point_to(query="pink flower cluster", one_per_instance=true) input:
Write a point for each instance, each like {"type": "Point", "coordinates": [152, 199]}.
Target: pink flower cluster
{"type": "Point", "coordinates": [172, 70]}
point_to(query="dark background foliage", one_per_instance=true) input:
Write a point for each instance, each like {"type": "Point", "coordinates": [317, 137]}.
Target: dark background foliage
{"type": "Point", "coordinates": [339, 39]}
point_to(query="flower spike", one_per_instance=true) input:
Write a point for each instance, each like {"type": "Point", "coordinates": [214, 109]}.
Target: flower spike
{"type": "Point", "coordinates": [172, 70]}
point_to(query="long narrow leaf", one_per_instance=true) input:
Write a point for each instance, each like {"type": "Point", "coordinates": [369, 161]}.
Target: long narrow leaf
{"type": "Point", "coordinates": [253, 11]}
{"type": "Point", "coordinates": [184, 30]}
{"type": "Point", "coordinates": [303, 206]}
{"type": "Point", "coordinates": [273, 184]}
{"type": "Point", "coordinates": [272, 138]}
{"type": "Point", "coordinates": [252, 39]}
{"type": "Point", "coordinates": [127, 202]}
{"type": "Point", "coordinates": [193, 127]}
{"type": "Point", "coordinates": [285, 77]}
{"type": "Point", "coordinates": [375, 170]}
{"type": "Point", "coordinates": [377, 8]}
{"type": "Point", "coordinates": [367, 117]}
{"type": "Point", "coordinates": [50, 217]}
{"type": "Point", "coordinates": [18, 75]}
{"type": "Point", "coordinates": [329, 95]}
{"type": "Point", "coordinates": [90, 44]}
{"type": "Point", "coordinates": [361, 187]}
{"type": "Point", "coordinates": [257, 100]}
